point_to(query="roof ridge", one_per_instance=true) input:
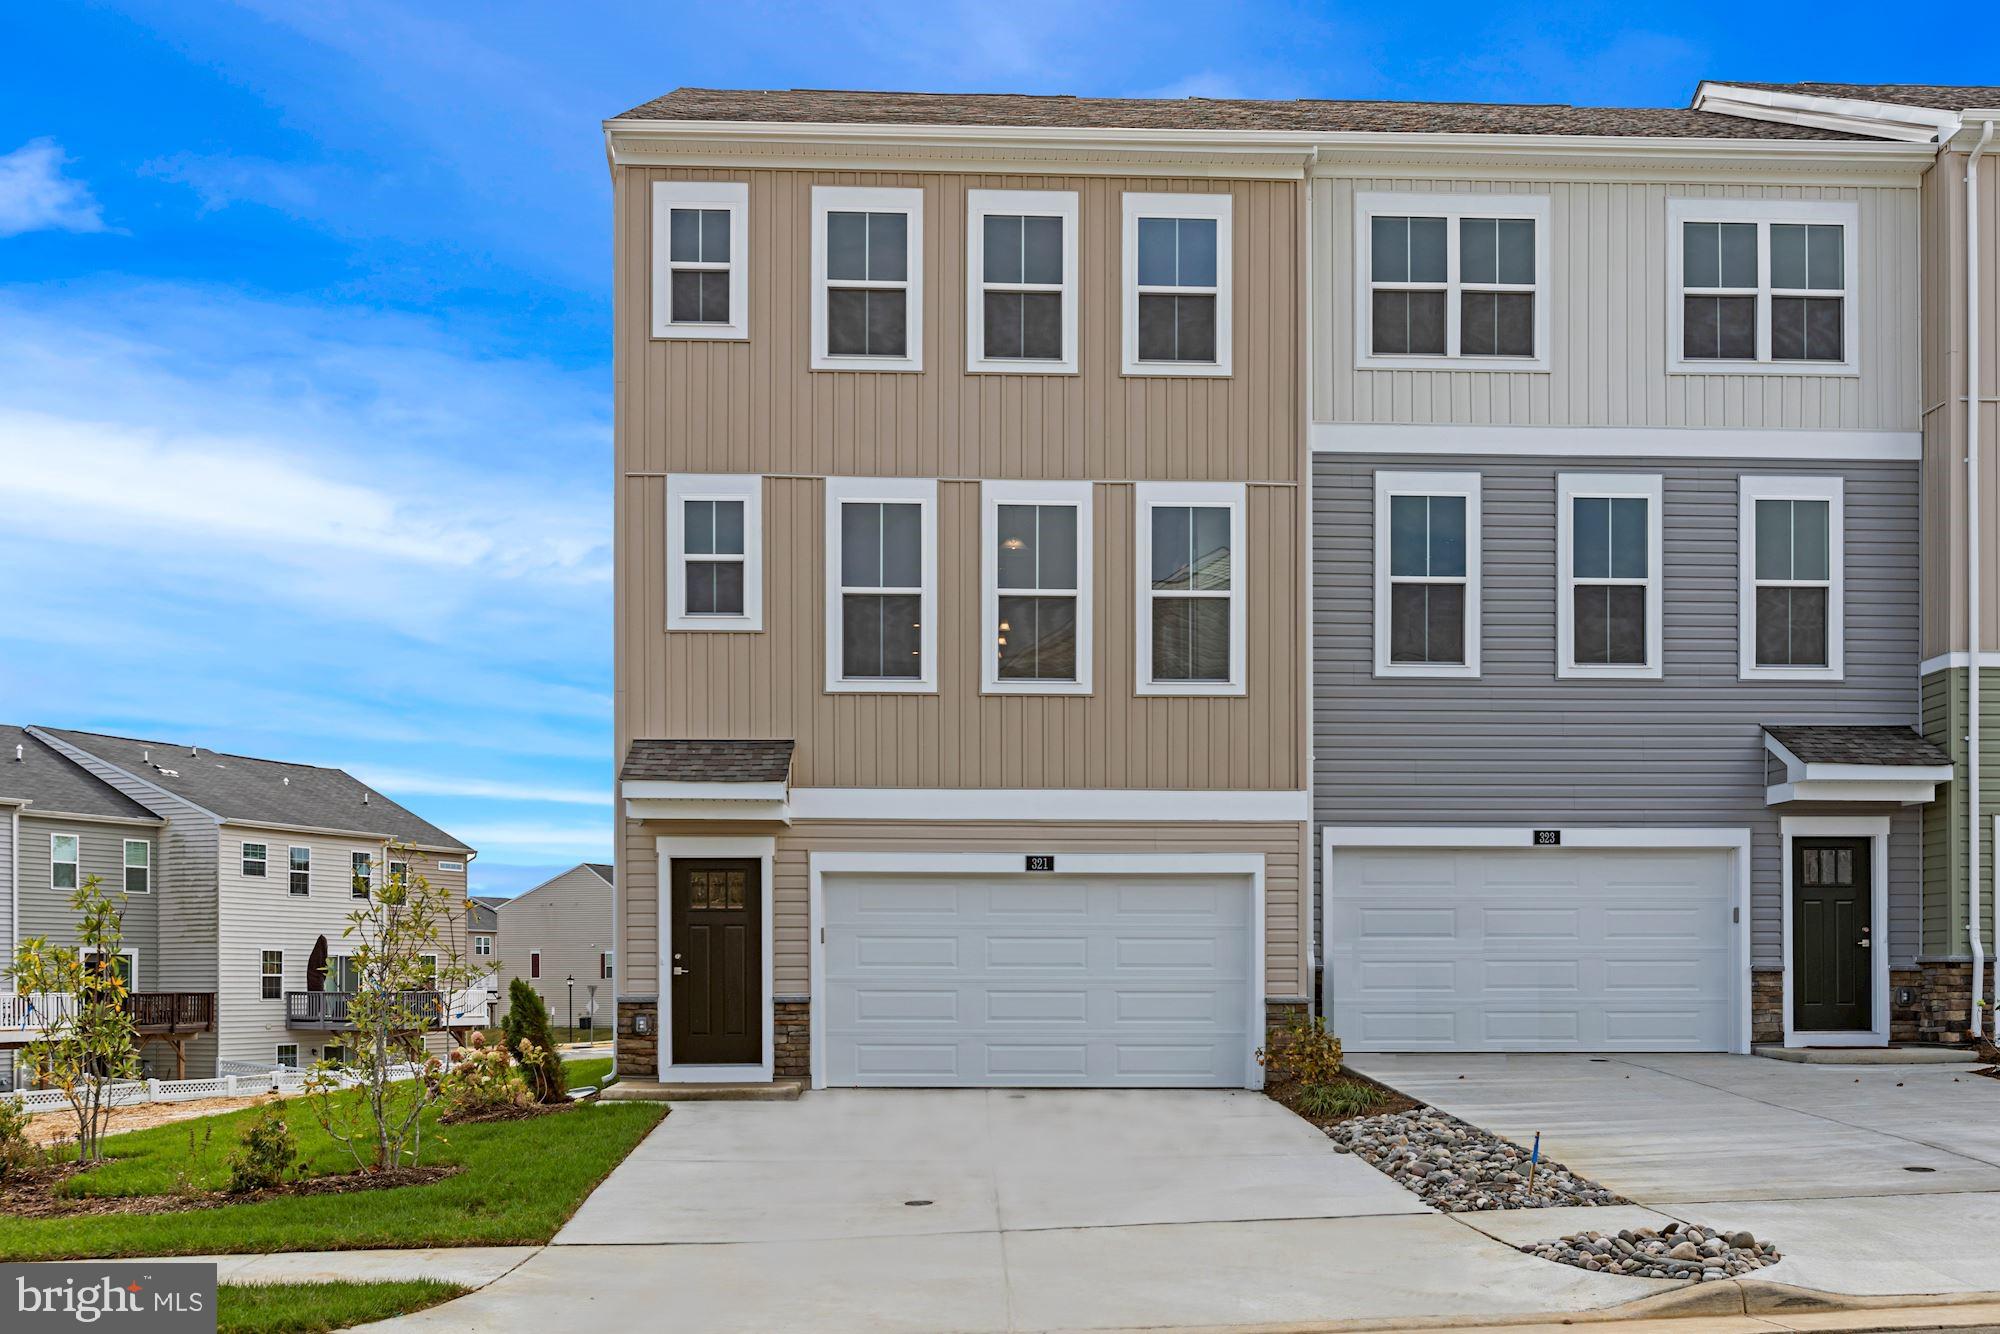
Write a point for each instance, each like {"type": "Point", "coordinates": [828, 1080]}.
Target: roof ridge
{"type": "Point", "coordinates": [197, 751]}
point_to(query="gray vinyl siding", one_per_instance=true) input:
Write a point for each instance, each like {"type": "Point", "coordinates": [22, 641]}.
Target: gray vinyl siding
{"type": "Point", "coordinates": [569, 920]}
{"type": "Point", "coordinates": [1520, 747]}
{"type": "Point", "coordinates": [9, 870]}
{"type": "Point", "coordinates": [45, 910]}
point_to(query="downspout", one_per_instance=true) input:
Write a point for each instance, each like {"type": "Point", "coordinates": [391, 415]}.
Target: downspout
{"type": "Point", "coordinates": [1315, 901]}
{"type": "Point", "coordinates": [1973, 879]}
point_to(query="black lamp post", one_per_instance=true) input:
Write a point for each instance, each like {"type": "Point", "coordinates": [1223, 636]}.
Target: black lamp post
{"type": "Point", "coordinates": [570, 982]}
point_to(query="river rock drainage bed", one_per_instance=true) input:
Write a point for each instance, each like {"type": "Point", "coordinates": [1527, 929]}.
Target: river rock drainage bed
{"type": "Point", "coordinates": [1459, 1168]}
{"type": "Point", "coordinates": [1683, 1251]}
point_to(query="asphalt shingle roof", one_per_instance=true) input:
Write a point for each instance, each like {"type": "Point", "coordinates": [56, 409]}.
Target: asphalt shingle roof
{"type": "Point", "coordinates": [482, 914]}
{"type": "Point", "coordinates": [604, 871]}
{"type": "Point", "coordinates": [241, 787]}
{"type": "Point", "coordinates": [681, 761]}
{"type": "Point", "coordinates": [839, 107]}
{"type": "Point", "coordinates": [55, 783]}
{"type": "Point", "coordinates": [1858, 745]}
{"type": "Point", "coordinates": [1937, 96]}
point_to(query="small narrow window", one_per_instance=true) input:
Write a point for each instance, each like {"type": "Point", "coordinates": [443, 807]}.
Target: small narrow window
{"type": "Point", "coordinates": [399, 874]}
{"type": "Point", "coordinates": [882, 563]}
{"type": "Point", "coordinates": [1427, 574]}
{"type": "Point", "coordinates": [534, 963]}
{"type": "Point", "coordinates": [1609, 547]}
{"type": "Point", "coordinates": [63, 852]}
{"type": "Point", "coordinates": [364, 874]}
{"type": "Point", "coordinates": [255, 858]}
{"type": "Point", "coordinates": [1037, 587]}
{"type": "Point", "coordinates": [1793, 570]}
{"type": "Point", "coordinates": [700, 232]}
{"type": "Point", "coordinates": [299, 880]}
{"type": "Point", "coordinates": [715, 552]}
{"type": "Point", "coordinates": [138, 866]}
{"type": "Point", "coordinates": [1766, 283]}
{"type": "Point", "coordinates": [867, 278]}
{"type": "Point", "coordinates": [604, 966]}
{"type": "Point", "coordinates": [1190, 596]}
{"type": "Point", "coordinates": [271, 979]}
{"type": "Point", "coordinates": [1177, 284]}
{"type": "Point", "coordinates": [1021, 259]}
{"type": "Point", "coordinates": [288, 1055]}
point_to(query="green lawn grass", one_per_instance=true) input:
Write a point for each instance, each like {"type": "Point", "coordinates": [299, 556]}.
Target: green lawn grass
{"type": "Point", "coordinates": [522, 1180]}
{"type": "Point", "coordinates": [311, 1308]}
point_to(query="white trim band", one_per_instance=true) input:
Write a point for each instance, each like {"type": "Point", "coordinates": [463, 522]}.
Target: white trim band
{"type": "Point", "coordinates": [1648, 442]}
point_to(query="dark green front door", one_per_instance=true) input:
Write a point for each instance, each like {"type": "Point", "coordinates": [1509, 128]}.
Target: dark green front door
{"type": "Point", "coordinates": [1832, 963]}
{"type": "Point", "coordinates": [718, 962]}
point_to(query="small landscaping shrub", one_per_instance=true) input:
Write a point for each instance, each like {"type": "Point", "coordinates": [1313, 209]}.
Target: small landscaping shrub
{"type": "Point", "coordinates": [1343, 1097]}
{"type": "Point", "coordinates": [266, 1155]}
{"type": "Point", "coordinates": [1305, 1053]}
{"type": "Point", "coordinates": [482, 1080]}
{"type": "Point", "coordinates": [529, 1041]}
{"type": "Point", "coordinates": [17, 1155]}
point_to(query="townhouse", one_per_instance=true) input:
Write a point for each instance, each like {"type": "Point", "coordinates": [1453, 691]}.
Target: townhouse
{"type": "Point", "coordinates": [238, 874]}
{"type": "Point", "coordinates": [557, 937]}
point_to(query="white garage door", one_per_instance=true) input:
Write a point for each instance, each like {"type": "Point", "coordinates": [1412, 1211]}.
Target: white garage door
{"type": "Point", "coordinates": [1081, 981]}
{"type": "Point", "coordinates": [1543, 950]}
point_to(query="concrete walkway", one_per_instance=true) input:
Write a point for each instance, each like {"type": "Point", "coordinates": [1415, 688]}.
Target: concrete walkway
{"type": "Point", "coordinates": [1817, 1158]}
{"type": "Point", "coordinates": [469, 1266]}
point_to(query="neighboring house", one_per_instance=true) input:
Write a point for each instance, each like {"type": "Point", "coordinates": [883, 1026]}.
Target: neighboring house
{"type": "Point", "coordinates": [962, 708]}
{"type": "Point", "coordinates": [482, 936]}
{"type": "Point", "coordinates": [557, 934]}
{"type": "Point", "coordinates": [249, 883]}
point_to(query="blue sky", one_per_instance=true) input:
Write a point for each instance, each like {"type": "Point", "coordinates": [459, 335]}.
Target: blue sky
{"type": "Point", "coordinates": [305, 397]}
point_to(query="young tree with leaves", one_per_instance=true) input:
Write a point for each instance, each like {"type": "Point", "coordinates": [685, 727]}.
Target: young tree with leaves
{"type": "Point", "coordinates": [408, 962]}
{"type": "Point", "coordinates": [88, 1041]}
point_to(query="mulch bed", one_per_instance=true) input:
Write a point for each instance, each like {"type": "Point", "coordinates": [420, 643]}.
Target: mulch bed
{"type": "Point", "coordinates": [525, 1112]}
{"type": "Point", "coordinates": [37, 1195]}
{"type": "Point", "coordinates": [1388, 1100]}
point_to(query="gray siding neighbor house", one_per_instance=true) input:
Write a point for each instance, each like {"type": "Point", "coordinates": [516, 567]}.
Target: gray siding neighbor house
{"type": "Point", "coordinates": [558, 937]}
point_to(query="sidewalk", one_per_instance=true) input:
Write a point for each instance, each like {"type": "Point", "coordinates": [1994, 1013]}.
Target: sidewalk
{"type": "Point", "coordinates": [469, 1266]}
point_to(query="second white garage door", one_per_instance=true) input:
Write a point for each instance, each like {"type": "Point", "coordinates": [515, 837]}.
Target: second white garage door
{"type": "Point", "coordinates": [1045, 981]}
{"type": "Point", "coordinates": [1530, 950]}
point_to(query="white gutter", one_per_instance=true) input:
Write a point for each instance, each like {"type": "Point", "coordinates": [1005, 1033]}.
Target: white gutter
{"type": "Point", "coordinates": [1973, 870]}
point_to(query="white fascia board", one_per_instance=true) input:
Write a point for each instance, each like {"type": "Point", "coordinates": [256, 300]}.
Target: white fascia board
{"type": "Point", "coordinates": [1648, 442]}
{"type": "Point", "coordinates": [1901, 791]}
{"type": "Point", "coordinates": [1047, 804]}
{"type": "Point", "coordinates": [1878, 773]}
{"type": "Point", "coordinates": [654, 808]}
{"type": "Point", "coordinates": [1851, 115]}
{"type": "Point", "coordinates": [665, 790]}
{"type": "Point", "coordinates": [42, 813]}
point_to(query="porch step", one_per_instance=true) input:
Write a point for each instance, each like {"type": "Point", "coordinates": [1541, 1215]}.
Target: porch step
{"type": "Point", "coordinates": [1870, 1055]}
{"type": "Point", "coordinates": [642, 1090]}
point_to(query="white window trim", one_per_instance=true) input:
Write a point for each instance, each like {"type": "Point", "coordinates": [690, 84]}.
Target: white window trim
{"type": "Point", "coordinates": [534, 965]}
{"type": "Point", "coordinates": [368, 880]}
{"type": "Point", "coordinates": [278, 1056]}
{"type": "Point", "coordinates": [1230, 495]}
{"type": "Point", "coordinates": [1031, 203]}
{"type": "Point", "coordinates": [75, 863]}
{"type": "Point", "coordinates": [130, 954]}
{"type": "Point", "coordinates": [731, 195]}
{"type": "Point", "coordinates": [1451, 208]}
{"type": "Point", "coordinates": [992, 496]}
{"type": "Point", "coordinates": [1876, 829]}
{"type": "Point", "coordinates": [897, 490]}
{"type": "Point", "coordinates": [482, 946]}
{"type": "Point", "coordinates": [261, 975]}
{"type": "Point", "coordinates": [1752, 488]}
{"type": "Point", "coordinates": [125, 867]}
{"type": "Point", "coordinates": [1832, 212]}
{"type": "Point", "coordinates": [1220, 207]}
{"type": "Point", "coordinates": [747, 488]}
{"type": "Point", "coordinates": [869, 199]}
{"type": "Point", "coordinates": [290, 870]}
{"type": "Point", "coordinates": [1392, 484]}
{"type": "Point", "coordinates": [763, 849]}
{"type": "Point", "coordinates": [243, 859]}
{"type": "Point", "coordinates": [1648, 487]}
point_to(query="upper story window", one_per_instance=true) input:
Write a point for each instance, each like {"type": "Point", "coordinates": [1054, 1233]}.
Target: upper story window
{"type": "Point", "coordinates": [1791, 615]}
{"type": "Point", "coordinates": [715, 552]}
{"type": "Point", "coordinates": [534, 963]}
{"type": "Point", "coordinates": [1190, 593]}
{"type": "Point", "coordinates": [63, 854]}
{"type": "Point", "coordinates": [1426, 574]}
{"type": "Point", "coordinates": [138, 866]}
{"type": "Point", "coordinates": [700, 260]}
{"type": "Point", "coordinates": [1036, 577]}
{"type": "Point", "coordinates": [364, 874]}
{"type": "Point", "coordinates": [881, 588]}
{"type": "Point", "coordinates": [482, 946]}
{"type": "Point", "coordinates": [399, 873]}
{"type": "Point", "coordinates": [1178, 289]}
{"type": "Point", "coordinates": [1608, 553]}
{"type": "Point", "coordinates": [271, 975]}
{"type": "Point", "coordinates": [255, 857]}
{"type": "Point", "coordinates": [299, 874]}
{"type": "Point", "coordinates": [1452, 280]}
{"type": "Point", "coordinates": [1021, 268]}
{"type": "Point", "coordinates": [1762, 283]}
{"type": "Point", "coordinates": [868, 278]}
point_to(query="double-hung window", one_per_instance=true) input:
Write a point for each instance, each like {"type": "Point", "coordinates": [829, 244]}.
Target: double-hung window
{"type": "Point", "coordinates": [1426, 574]}
{"type": "Point", "coordinates": [1036, 577]}
{"type": "Point", "coordinates": [288, 1055]}
{"type": "Point", "coordinates": [868, 278]}
{"type": "Point", "coordinates": [364, 874]}
{"type": "Point", "coordinates": [1177, 282]}
{"type": "Point", "coordinates": [1021, 273]}
{"type": "Point", "coordinates": [256, 857]}
{"type": "Point", "coordinates": [1452, 280]}
{"type": "Point", "coordinates": [881, 587]}
{"type": "Point", "coordinates": [1608, 552]}
{"type": "Point", "coordinates": [700, 268]}
{"type": "Point", "coordinates": [63, 854]}
{"type": "Point", "coordinates": [482, 946]}
{"type": "Point", "coordinates": [715, 552]}
{"type": "Point", "coordinates": [299, 870]}
{"type": "Point", "coordinates": [138, 866]}
{"type": "Point", "coordinates": [1767, 284]}
{"type": "Point", "coordinates": [1190, 588]}
{"type": "Point", "coordinates": [1790, 615]}
{"type": "Point", "coordinates": [271, 975]}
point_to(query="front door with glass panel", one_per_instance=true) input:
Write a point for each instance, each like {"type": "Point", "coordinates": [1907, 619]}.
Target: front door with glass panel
{"type": "Point", "coordinates": [717, 969]}
{"type": "Point", "coordinates": [1832, 948]}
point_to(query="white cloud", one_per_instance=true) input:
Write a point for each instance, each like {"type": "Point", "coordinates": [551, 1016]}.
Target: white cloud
{"type": "Point", "coordinates": [35, 196]}
{"type": "Point", "coordinates": [435, 785]}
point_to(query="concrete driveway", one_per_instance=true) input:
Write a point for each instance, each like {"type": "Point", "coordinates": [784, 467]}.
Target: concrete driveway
{"type": "Point", "coordinates": [1003, 1210]}
{"type": "Point", "coordinates": [1871, 1179]}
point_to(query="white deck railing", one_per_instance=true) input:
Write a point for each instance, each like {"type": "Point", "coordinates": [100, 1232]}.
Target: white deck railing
{"type": "Point", "coordinates": [30, 1014]}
